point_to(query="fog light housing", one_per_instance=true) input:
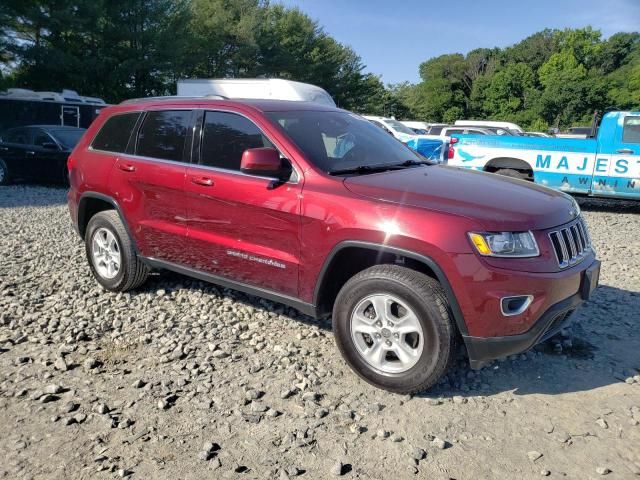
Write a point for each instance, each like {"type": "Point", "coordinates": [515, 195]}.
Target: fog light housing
{"type": "Point", "coordinates": [510, 306]}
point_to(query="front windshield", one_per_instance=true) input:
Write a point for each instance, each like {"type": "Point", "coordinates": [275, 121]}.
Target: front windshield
{"type": "Point", "coordinates": [68, 138]}
{"type": "Point", "coordinates": [341, 140]}
{"type": "Point", "coordinates": [399, 127]}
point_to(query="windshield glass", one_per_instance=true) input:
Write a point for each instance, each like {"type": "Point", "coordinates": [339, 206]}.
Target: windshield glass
{"type": "Point", "coordinates": [398, 127]}
{"type": "Point", "coordinates": [68, 138]}
{"type": "Point", "coordinates": [341, 140]}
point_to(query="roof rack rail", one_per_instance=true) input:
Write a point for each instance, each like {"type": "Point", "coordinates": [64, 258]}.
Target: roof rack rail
{"type": "Point", "coordinates": [172, 97]}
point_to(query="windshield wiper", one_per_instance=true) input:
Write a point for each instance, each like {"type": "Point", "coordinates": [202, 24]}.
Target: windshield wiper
{"type": "Point", "coordinates": [376, 168]}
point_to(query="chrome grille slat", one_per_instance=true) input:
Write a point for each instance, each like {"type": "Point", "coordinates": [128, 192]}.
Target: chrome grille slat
{"type": "Point", "coordinates": [577, 238]}
{"type": "Point", "coordinates": [571, 243]}
{"type": "Point", "coordinates": [572, 248]}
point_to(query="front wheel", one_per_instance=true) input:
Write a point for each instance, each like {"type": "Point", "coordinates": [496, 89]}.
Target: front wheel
{"type": "Point", "coordinates": [393, 327]}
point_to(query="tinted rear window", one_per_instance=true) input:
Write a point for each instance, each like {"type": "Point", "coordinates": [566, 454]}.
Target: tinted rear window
{"type": "Point", "coordinates": [114, 134]}
{"type": "Point", "coordinates": [163, 134]}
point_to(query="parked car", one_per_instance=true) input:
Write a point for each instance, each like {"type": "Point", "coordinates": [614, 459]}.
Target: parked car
{"type": "Point", "coordinates": [605, 166]}
{"type": "Point", "coordinates": [317, 208]}
{"type": "Point", "coordinates": [537, 134]}
{"type": "Point", "coordinates": [392, 126]}
{"type": "Point", "coordinates": [507, 126]}
{"type": "Point", "coordinates": [37, 152]}
{"type": "Point", "coordinates": [431, 147]}
{"type": "Point", "coordinates": [424, 128]}
{"type": "Point", "coordinates": [449, 131]}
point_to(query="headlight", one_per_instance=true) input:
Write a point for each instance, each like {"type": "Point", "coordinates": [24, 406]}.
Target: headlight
{"type": "Point", "coordinates": [505, 244]}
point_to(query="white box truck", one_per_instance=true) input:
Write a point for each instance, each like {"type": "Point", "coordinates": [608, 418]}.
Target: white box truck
{"type": "Point", "coordinates": [258, 88]}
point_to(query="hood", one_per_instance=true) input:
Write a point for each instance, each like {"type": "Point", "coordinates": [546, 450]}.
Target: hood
{"type": "Point", "coordinates": [498, 203]}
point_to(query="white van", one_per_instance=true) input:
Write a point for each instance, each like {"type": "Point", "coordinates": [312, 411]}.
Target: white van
{"type": "Point", "coordinates": [256, 88]}
{"type": "Point", "coordinates": [490, 123]}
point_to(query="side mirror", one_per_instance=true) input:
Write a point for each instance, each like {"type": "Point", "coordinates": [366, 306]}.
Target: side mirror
{"type": "Point", "coordinates": [264, 162]}
{"type": "Point", "coordinates": [49, 146]}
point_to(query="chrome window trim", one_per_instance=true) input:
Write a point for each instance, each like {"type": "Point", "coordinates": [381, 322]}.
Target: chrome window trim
{"type": "Point", "coordinates": [189, 164]}
{"type": "Point", "coordinates": [294, 181]}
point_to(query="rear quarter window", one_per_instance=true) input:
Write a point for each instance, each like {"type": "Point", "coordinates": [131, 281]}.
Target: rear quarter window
{"type": "Point", "coordinates": [115, 133]}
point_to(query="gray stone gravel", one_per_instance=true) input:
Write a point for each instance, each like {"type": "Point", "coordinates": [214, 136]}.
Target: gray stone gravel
{"type": "Point", "coordinates": [183, 379]}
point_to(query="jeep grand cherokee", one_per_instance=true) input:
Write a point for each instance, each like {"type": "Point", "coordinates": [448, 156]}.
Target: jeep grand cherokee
{"type": "Point", "coordinates": [317, 208]}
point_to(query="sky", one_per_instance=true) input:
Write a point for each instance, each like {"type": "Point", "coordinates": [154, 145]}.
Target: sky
{"type": "Point", "coordinates": [394, 37]}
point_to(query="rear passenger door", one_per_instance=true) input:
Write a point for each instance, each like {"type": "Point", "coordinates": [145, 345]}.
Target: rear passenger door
{"type": "Point", "coordinates": [241, 227]}
{"type": "Point", "coordinates": [149, 177]}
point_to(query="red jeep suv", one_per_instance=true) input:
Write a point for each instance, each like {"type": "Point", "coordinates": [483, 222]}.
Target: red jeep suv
{"type": "Point", "coordinates": [317, 208]}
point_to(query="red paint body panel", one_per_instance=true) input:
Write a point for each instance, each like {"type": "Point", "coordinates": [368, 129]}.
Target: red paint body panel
{"type": "Point", "coordinates": [279, 236]}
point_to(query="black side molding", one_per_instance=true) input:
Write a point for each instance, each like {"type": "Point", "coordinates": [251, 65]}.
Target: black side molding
{"type": "Point", "coordinates": [306, 308]}
{"type": "Point", "coordinates": [429, 262]}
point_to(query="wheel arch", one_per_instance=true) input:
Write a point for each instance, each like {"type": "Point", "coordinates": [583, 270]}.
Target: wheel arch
{"type": "Point", "coordinates": [94, 202]}
{"type": "Point", "coordinates": [360, 255]}
{"type": "Point", "coordinates": [508, 162]}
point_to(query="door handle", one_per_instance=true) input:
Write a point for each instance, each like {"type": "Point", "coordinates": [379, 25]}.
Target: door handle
{"type": "Point", "coordinates": [30, 152]}
{"type": "Point", "coordinates": [204, 181]}
{"type": "Point", "coordinates": [127, 167]}
{"type": "Point", "coordinates": [4, 149]}
{"type": "Point", "coordinates": [626, 151]}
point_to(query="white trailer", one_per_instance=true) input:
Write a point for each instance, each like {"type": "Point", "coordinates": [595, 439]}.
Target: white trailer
{"type": "Point", "coordinates": [257, 88]}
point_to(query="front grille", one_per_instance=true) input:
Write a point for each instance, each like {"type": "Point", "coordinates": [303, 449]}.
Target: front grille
{"type": "Point", "coordinates": [571, 243]}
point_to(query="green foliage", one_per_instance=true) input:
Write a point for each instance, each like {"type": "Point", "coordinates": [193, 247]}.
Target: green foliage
{"type": "Point", "coordinates": [119, 49]}
{"type": "Point", "coordinates": [552, 78]}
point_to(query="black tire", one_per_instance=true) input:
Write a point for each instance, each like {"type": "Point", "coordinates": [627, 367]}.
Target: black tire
{"type": "Point", "coordinates": [426, 298]}
{"type": "Point", "coordinates": [133, 272]}
{"type": "Point", "coordinates": [5, 175]}
{"type": "Point", "coordinates": [509, 172]}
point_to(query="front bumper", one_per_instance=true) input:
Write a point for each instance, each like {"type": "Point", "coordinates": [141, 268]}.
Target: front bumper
{"type": "Point", "coordinates": [482, 350]}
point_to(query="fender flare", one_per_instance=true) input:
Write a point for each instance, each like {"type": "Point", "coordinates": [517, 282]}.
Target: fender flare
{"type": "Point", "coordinates": [427, 261]}
{"type": "Point", "coordinates": [113, 203]}
{"type": "Point", "coordinates": [504, 162]}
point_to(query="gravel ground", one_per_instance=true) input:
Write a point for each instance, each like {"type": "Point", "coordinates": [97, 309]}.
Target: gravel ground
{"type": "Point", "coordinates": [186, 380]}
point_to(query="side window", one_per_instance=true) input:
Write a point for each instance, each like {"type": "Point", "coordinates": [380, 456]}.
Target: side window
{"type": "Point", "coordinates": [225, 137]}
{"type": "Point", "coordinates": [163, 134]}
{"type": "Point", "coordinates": [631, 130]}
{"type": "Point", "coordinates": [40, 138]}
{"type": "Point", "coordinates": [19, 136]}
{"type": "Point", "coordinates": [114, 134]}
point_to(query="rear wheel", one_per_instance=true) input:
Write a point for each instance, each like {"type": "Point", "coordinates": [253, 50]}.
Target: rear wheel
{"type": "Point", "coordinates": [5, 177]}
{"type": "Point", "coordinates": [393, 326]}
{"type": "Point", "coordinates": [112, 257]}
{"type": "Point", "coordinates": [510, 172]}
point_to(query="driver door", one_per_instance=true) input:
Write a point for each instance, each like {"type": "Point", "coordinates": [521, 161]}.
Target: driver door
{"type": "Point", "coordinates": [244, 228]}
{"type": "Point", "coordinates": [45, 157]}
